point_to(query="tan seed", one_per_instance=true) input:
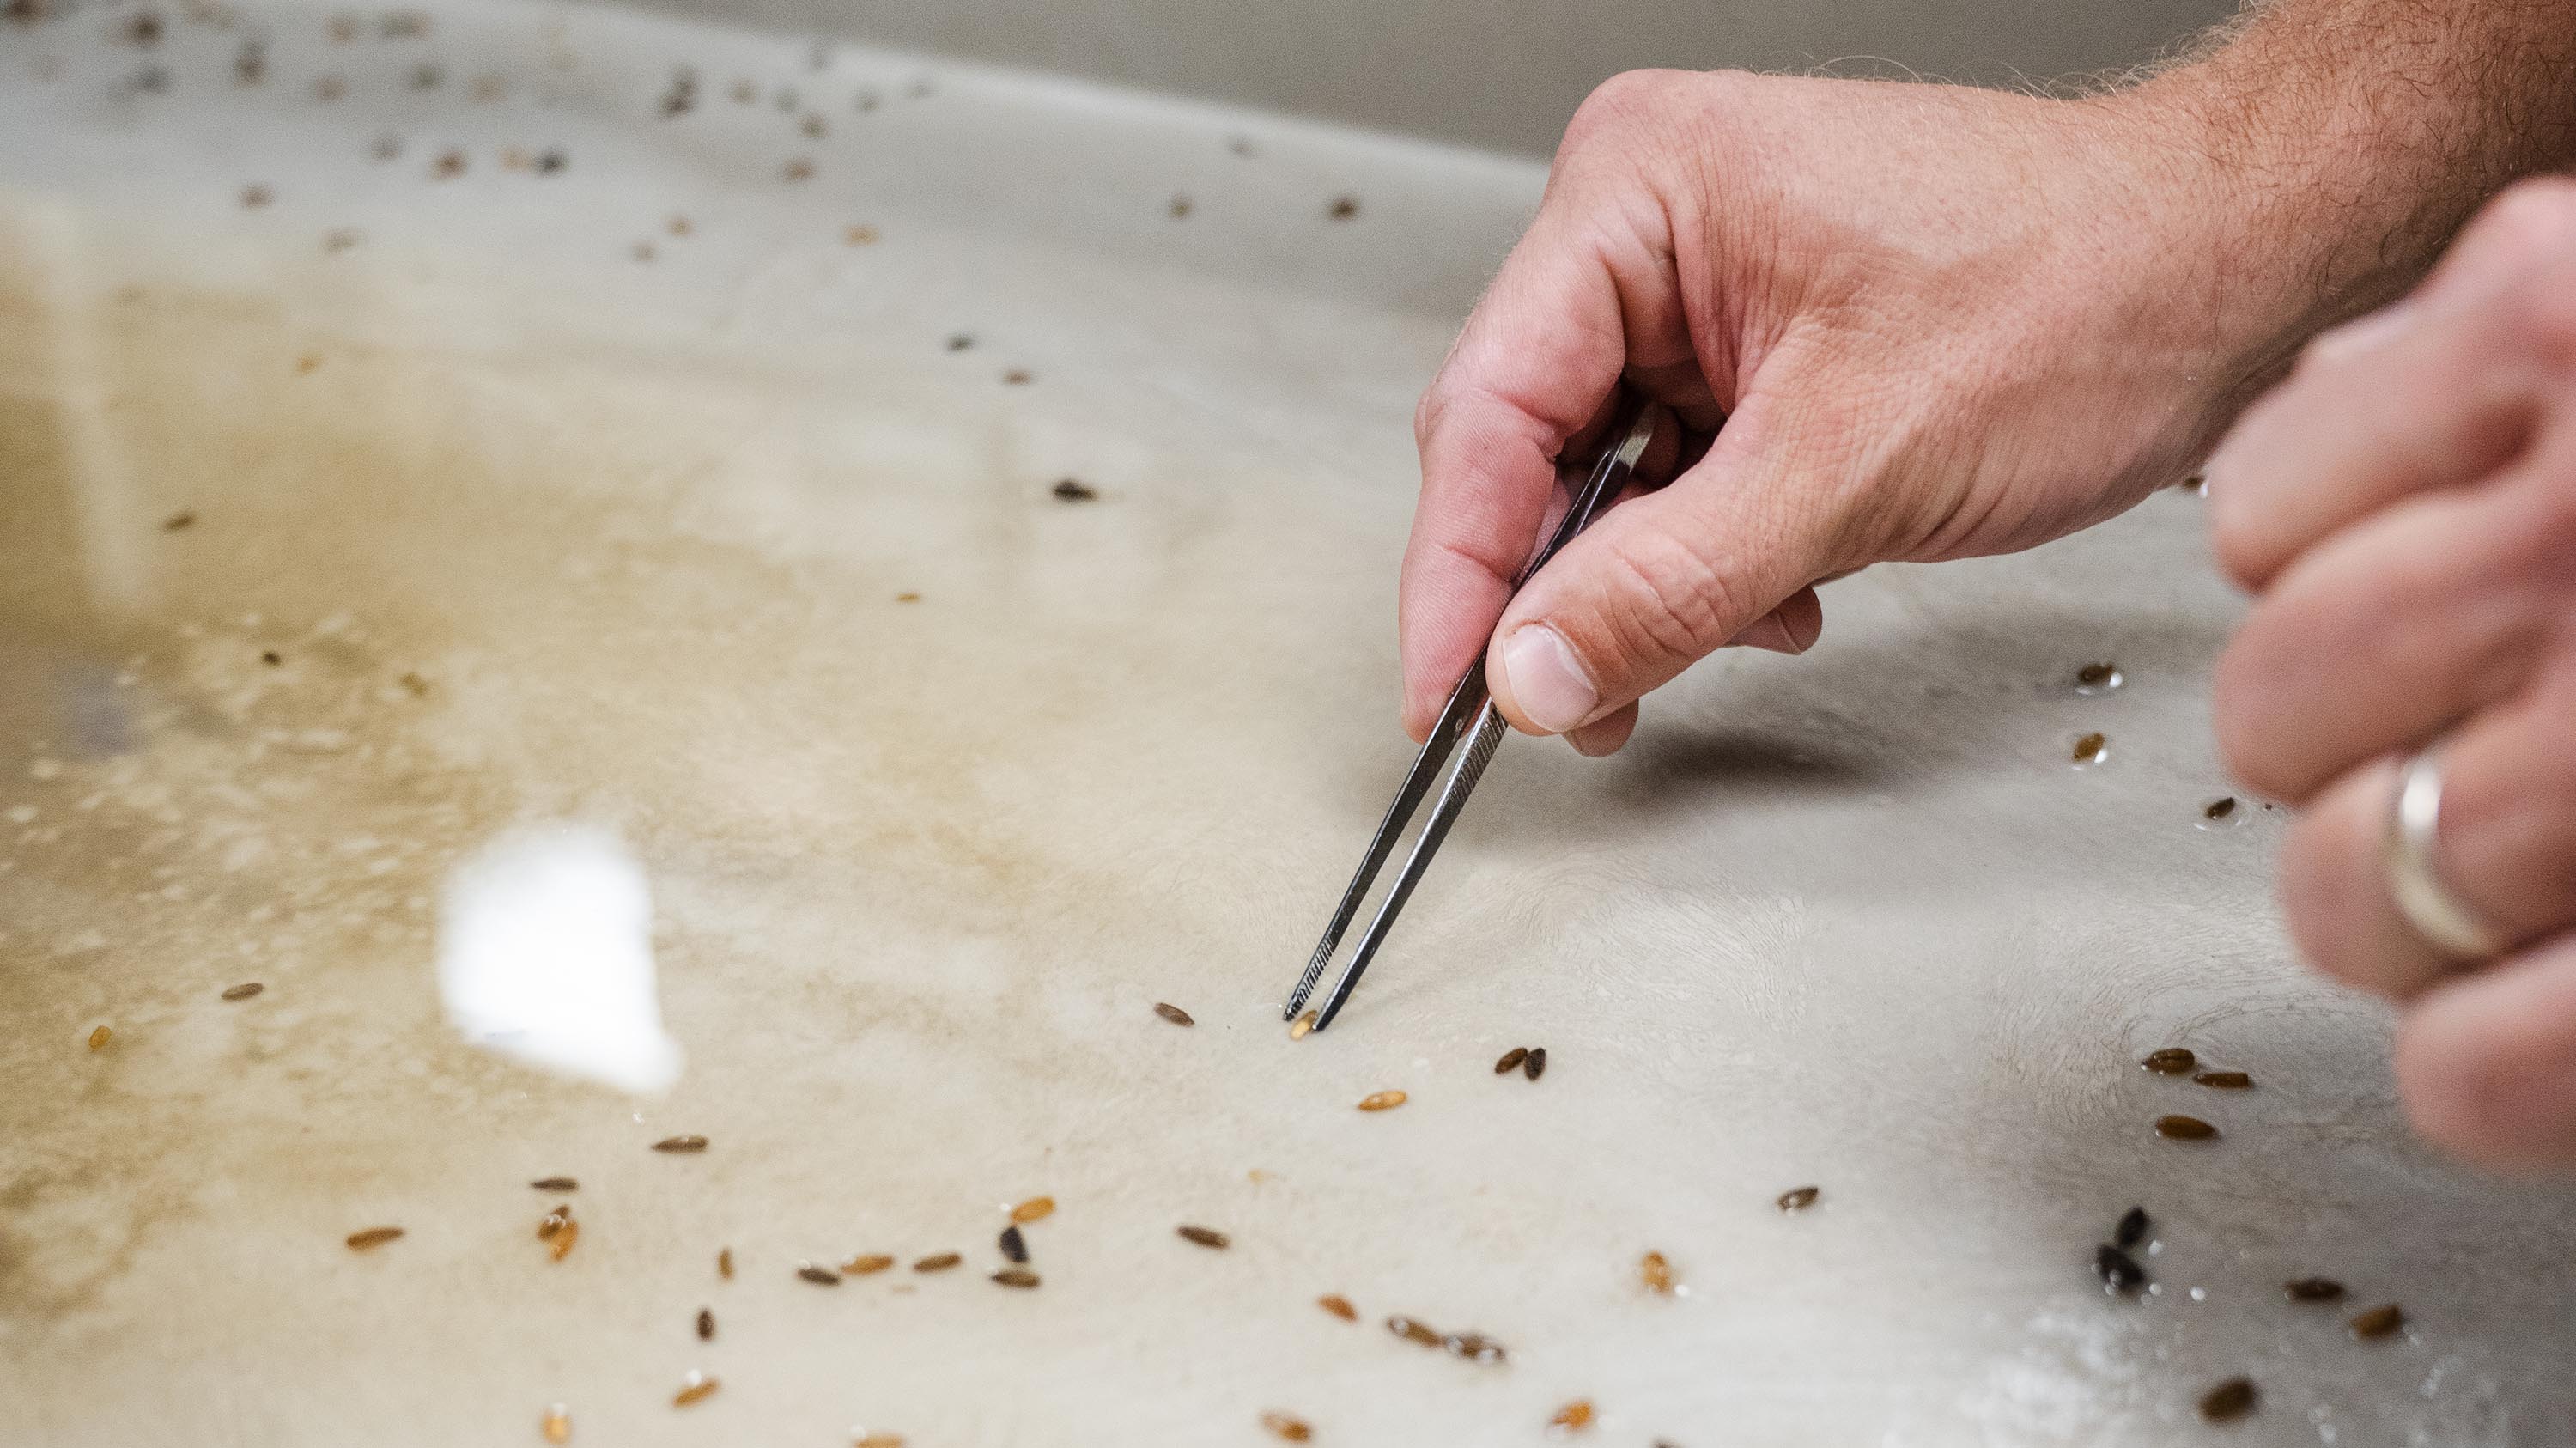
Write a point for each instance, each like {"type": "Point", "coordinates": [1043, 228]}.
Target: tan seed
{"type": "Point", "coordinates": [1798, 1199]}
{"type": "Point", "coordinates": [553, 1222]}
{"type": "Point", "coordinates": [1301, 1027]}
{"type": "Point", "coordinates": [1510, 1060]}
{"type": "Point", "coordinates": [244, 991]}
{"type": "Point", "coordinates": [556, 1425]}
{"type": "Point", "coordinates": [1381, 1101]}
{"type": "Point", "coordinates": [1474, 1347]}
{"type": "Point", "coordinates": [1283, 1426]}
{"type": "Point", "coordinates": [1016, 1277]}
{"type": "Point", "coordinates": [2089, 749]}
{"type": "Point", "coordinates": [1173, 1013]}
{"type": "Point", "coordinates": [2184, 1128]}
{"type": "Point", "coordinates": [2378, 1321]}
{"type": "Point", "coordinates": [1032, 1209]}
{"type": "Point", "coordinates": [554, 1184]}
{"type": "Point", "coordinates": [877, 1440]}
{"type": "Point", "coordinates": [372, 1238]}
{"type": "Point", "coordinates": [860, 235]}
{"type": "Point", "coordinates": [697, 1387]}
{"type": "Point", "coordinates": [706, 1324]}
{"type": "Point", "coordinates": [819, 1276]}
{"type": "Point", "coordinates": [2229, 1401]}
{"type": "Point", "coordinates": [939, 1263]}
{"type": "Point", "coordinates": [1655, 1272]}
{"type": "Point", "coordinates": [1412, 1331]}
{"type": "Point", "coordinates": [1204, 1236]}
{"type": "Point", "coordinates": [2225, 1080]}
{"type": "Point", "coordinates": [872, 1262]}
{"type": "Point", "coordinates": [1343, 208]}
{"type": "Point", "coordinates": [1018, 377]}
{"type": "Point", "coordinates": [98, 1038]}
{"type": "Point", "coordinates": [1574, 1417]}
{"type": "Point", "coordinates": [564, 1239]}
{"type": "Point", "coordinates": [724, 1263]}
{"type": "Point", "coordinates": [1339, 1306]}
{"type": "Point", "coordinates": [681, 1143]}
{"type": "Point", "coordinates": [2171, 1061]}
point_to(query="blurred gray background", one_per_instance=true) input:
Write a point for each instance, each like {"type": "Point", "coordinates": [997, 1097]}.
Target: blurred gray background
{"type": "Point", "coordinates": [1503, 74]}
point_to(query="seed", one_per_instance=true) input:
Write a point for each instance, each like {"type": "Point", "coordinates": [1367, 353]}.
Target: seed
{"type": "Point", "coordinates": [812, 125]}
{"type": "Point", "coordinates": [386, 148]}
{"type": "Point", "coordinates": [877, 1440]}
{"type": "Point", "coordinates": [1204, 1236]}
{"type": "Point", "coordinates": [1299, 1028]}
{"type": "Point", "coordinates": [1180, 207]}
{"type": "Point", "coordinates": [1073, 490]}
{"type": "Point", "coordinates": [178, 521]}
{"type": "Point", "coordinates": [1534, 1065]}
{"type": "Point", "coordinates": [330, 88]}
{"type": "Point", "coordinates": [697, 1387]}
{"type": "Point", "coordinates": [706, 1324]}
{"type": "Point", "coordinates": [2132, 1229]}
{"type": "Point", "coordinates": [681, 1143]}
{"type": "Point", "coordinates": [426, 76]}
{"type": "Point", "coordinates": [2089, 749]}
{"type": "Point", "coordinates": [1381, 1100]}
{"type": "Point", "coordinates": [2314, 1289]}
{"type": "Point", "coordinates": [2120, 1272]}
{"type": "Point", "coordinates": [1475, 1347]}
{"type": "Point", "coordinates": [819, 1276]}
{"type": "Point", "coordinates": [939, 1263]}
{"type": "Point", "coordinates": [1412, 1331]}
{"type": "Point", "coordinates": [2378, 1321]}
{"type": "Point", "coordinates": [1032, 1209]}
{"type": "Point", "coordinates": [1014, 1246]}
{"type": "Point", "coordinates": [1018, 377]}
{"type": "Point", "coordinates": [799, 169]}
{"type": "Point", "coordinates": [2225, 1080]}
{"type": "Point", "coordinates": [244, 991]}
{"type": "Point", "coordinates": [554, 1184]}
{"type": "Point", "coordinates": [1655, 1272]}
{"type": "Point", "coordinates": [2219, 808]}
{"type": "Point", "coordinates": [1510, 1059]}
{"type": "Point", "coordinates": [553, 1222]}
{"type": "Point", "coordinates": [1339, 1306]}
{"type": "Point", "coordinates": [564, 1239]}
{"type": "Point", "coordinates": [724, 1263]}
{"type": "Point", "coordinates": [907, 597]}
{"type": "Point", "coordinates": [255, 197]}
{"type": "Point", "coordinates": [1574, 1417]}
{"type": "Point", "coordinates": [644, 251]}
{"type": "Point", "coordinates": [372, 1238]}
{"type": "Point", "coordinates": [1173, 1013]}
{"type": "Point", "coordinates": [680, 226]}
{"type": "Point", "coordinates": [959, 342]}
{"type": "Point", "coordinates": [1343, 208]}
{"type": "Point", "coordinates": [2094, 676]}
{"type": "Point", "coordinates": [2229, 1401]}
{"type": "Point", "coordinates": [448, 166]}
{"type": "Point", "coordinates": [859, 235]}
{"type": "Point", "coordinates": [2171, 1061]}
{"type": "Point", "coordinates": [872, 1262]}
{"type": "Point", "coordinates": [98, 1038]}
{"type": "Point", "coordinates": [2184, 1128]}
{"type": "Point", "coordinates": [1292, 1429]}
{"type": "Point", "coordinates": [1798, 1199]}
{"type": "Point", "coordinates": [556, 1425]}
{"type": "Point", "coordinates": [1016, 1277]}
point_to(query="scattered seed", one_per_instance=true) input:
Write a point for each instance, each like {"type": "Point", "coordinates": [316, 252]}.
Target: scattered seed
{"type": "Point", "coordinates": [1301, 1027]}
{"type": "Point", "coordinates": [799, 169]}
{"type": "Point", "coordinates": [1412, 1331]}
{"type": "Point", "coordinates": [681, 1143]}
{"type": "Point", "coordinates": [1534, 1065]}
{"type": "Point", "coordinates": [1016, 1277]}
{"type": "Point", "coordinates": [177, 522]}
{"type": "Point", "coordinates": [1018, 377]}
{"type": "Point", "coordinates": [2219, 809]}
{"type": "Point", "coordinates": [554, 1222]}
{"type": "Point", "coordinates": [1180, 207]}
{"type": "Point", "coordinates": [386, 148]}
{"type": "Point", "coordinates": [448, 166]}
{"type": "Point", "coordinates": [706, 1324]}
{"type": "Point", "coordinates": [861, 1266]}
{"type": "Point", "coordinates": [2171, 1061]}
{"type": "Point", "coordinates": [2090, 749]}
{"type": "Point", "coordinates": [2378, 1321]}
{"type": "Point", "coordinates": [1283, 1426]}
{"type": "Point", "coordinates": [372, 1238]}
{"type": "Point", "coordinates": [1204, 1236]}
{"type": "Point", "coordinates": [1574, 1417]}
{"type": "Point", "coordinates": [1381, 1101]}
{"type": "Point", "coordinates": [1014, 1246]}
{"type": "Point", "coordinates": [877, 1440]}
{"type": "Point", "coordinates": [960, 341]}
{"type": "Point", "coordinates": [272, 657]}
{"type": "Point", "coordinates": [2132, 1229]}
{"type": "Point", "coordinates": [724, 1263]}
{"type": "Point", "coordinates": [403, 25]}
{"type": "Point", "coordinates": [697, 1387]}
{"type": "Point", "coordinates": [552, 161]}
{"type": "Point", "coordinates": [940, 1262]}
{"type": "Point", "coordinates": [2184, 1128]}
{"type": "Point", "coordinates": [426, 76]}
{"type": "Point", "coordinates": [1343, 208]}
{"type": "Point", "coordinates": [1798, 1199]}
{"type": "Point", "coordinates": [644, 251]}
{"type": "Point", "coordinates": [1656, 1273]}
{"type": "Point", "coordinates": [859, 235]}
{"type": "Point", "coordinates": [554, 1184]}
{"type": "Point", "coordinates": [339, 239]}
{"type": "Point", "coordinates": [250, 63]}
{"type": "Point", "coordinates": [330, 88]}
{"type": "Point", "coordinates": [1474, 1347]}
{"type": "Point", "coordinates": [255, 197]}
{"type": "Point", "coordinates": [907, 596]}
{"type": "Point", "coordinates": [2224, 1080]}
{"type": "Point", "coordinates": [144, 29]}
{"type": "Point", "coordinates": [98, 1038]}
{"type": "Point", "coordinates": [1510, 1059]}
{"type": "Point", "coordinates": [556, 1425]}
{"type": "Point", "coordinates": [564, 1239]}
{"type": "Point", "coordinates": [2229, 1401]}
{"type": "Point", "coordinates": [2095, 676]}
{"type": "Point", "coordinates": [2119, 1271]}
{"type": "Point", "coordinates": [1173, 1013]}
{"type": "Point", "coordinates": [2313, 1289]}
{"type": "Point", "coordinates": [1032, 1209]}
{"type": "Point", "coordinates": [813, 125]}
{"type": "Point", "coordinates": [1339, 1306]}
{"type": "Point", "coordinates": [819, 1276]}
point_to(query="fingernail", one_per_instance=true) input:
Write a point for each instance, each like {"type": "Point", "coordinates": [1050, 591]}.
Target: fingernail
{"type": "Point", "coordinates": [1548, 682]}
{"type": "Point", "coordinates": [2354, 338]}
{"type": "Point", "coordinates": [1768, 632]}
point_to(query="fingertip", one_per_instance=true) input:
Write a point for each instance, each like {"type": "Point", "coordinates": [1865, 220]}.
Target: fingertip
{"type": "Point", "coordinates": [2486, 1063]}
{"type": "Point", "coordinates": [1606, 735]}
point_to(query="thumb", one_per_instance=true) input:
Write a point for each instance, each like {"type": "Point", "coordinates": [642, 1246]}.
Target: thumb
{"type": "Point", "coordinates": [1653, 587]}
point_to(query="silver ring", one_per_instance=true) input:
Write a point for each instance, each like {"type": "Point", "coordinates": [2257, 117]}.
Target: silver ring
{"type": "Point", "coordinates": [2415, 879]}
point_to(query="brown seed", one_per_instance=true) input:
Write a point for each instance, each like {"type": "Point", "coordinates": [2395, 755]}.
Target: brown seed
{"type": "Point", "coordinates": [2184, 1128]}
{"type": "Point", "coordinates": [564, 1239]}
{"type": "Point", "coordinates": [255, 197]}
{"type": "Point", "coordinates": [819, 1276]}
{"type": "Point", "coordinates": [1204, 1236]}
{"type": "Point", "coordinates": [1018, 377]}
{"type": "Point", "coordinates": [372, 1238]}
{"type": "Point", "coordinates": [706, 1324]}
{"type": "Point", "coordinates": [1016, 1277]}
{"type": "Point", "coordinates": [2378, 1321]}
{"type": "Point", "coordinates": [697, 1387]}
{"type": "Point", "coordinates": [556, 1425]}
{"type": "Point", "coordinates": [1301, 1027]}
{"type": "Point", "coordinates": [1534, 1065]}
{"type": "Point", "coordinates": [1504, 1064]}
{"type": "Point", "coordinates": [1381, 1101]}
{"type": "Point", "coordinates": [1343, 208]}
{"type": "Point", "coordinates": [1074, 490]}
{"type": "Point", "coordinates": [644, 251]}
{"type": "Point", "coordinates": [1574, 1417]}
{"type": "Point", "coordinates": [2219, 809]}
{"type": "Point", "coordinates": [799, 169]}
{"type": "Point", "coordinates": [2224, 1080]}
{"type": "Point", "coordinates": [244, 991]}
{"type": "Point", "coordinates": [859, 235]}
{"type": "Point", "coordinates": [1014, 1246]}
{"type": "Point", "coordinates": [1180, 207]}
{"type": "Point", "coordinates": [1798, 1199]}
{"type": "Point", "coordinates": [2229, 1401]}
{"type": "Point", "coordinates": [940, 1262]}
{"type": "Point", "coordinates": [1284, 1426]}
{"type": "Point", "coordinates": [1339, 1306]}
{"type": "Point", "coordinates": [2089, 749]}
{"type": "Point", "coordinates": [724, 1263]}
{"type": "Point", "coordinates": [448, 166]}
{"type": "Point", "coordinates": [2313, 1289]}
{"type": "Point", "coordinates": [1474, 1347]}
{"type": "Point", "coordinates": [863, 1265]}
{"type": "Point", "coordinates": [178, 521]}
{"type": "Point", "coordinates": [98, 1038]}
{"type": "Point", "coordinates": [330, 88]}
{"type": "Point", "coordinates": [1655, 1272]}
{"type": "Point", "coordinates": [2094, 676]}
{"type": "Point", "coordinates": [681, 1143]}
{"type": "Point", "coordinates": [1412, 1331]}
{"type": "Point", "coordinates": [553, 1222]}
{"type": "Point", "coordinates": [2171, 1061]}
{"type": "Point", "coordinates": [1032, 1209]}
{"type": "Point", "coordinates": [1173, 1013]}
{"type": "Point", "coordinates": [907, 597]}
{"type": "Point", "coordinates": [877, 1440]}
{"type": "Point", "coordinates": [554, 1184]}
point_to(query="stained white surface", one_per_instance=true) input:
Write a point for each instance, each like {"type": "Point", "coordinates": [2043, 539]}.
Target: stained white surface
{"type": "Point", "coordinates": [538, 530]}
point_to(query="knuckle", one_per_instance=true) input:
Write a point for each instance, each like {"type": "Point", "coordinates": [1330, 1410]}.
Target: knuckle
{"type": "Point", "coordinates": [1675, 604]}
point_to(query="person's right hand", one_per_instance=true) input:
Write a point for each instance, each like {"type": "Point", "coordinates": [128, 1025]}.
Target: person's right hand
{"type": "Point", "coordinates": [1938, 322]}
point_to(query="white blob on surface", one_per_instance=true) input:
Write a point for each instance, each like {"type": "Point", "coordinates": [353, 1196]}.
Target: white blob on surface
{"type": "Point", "coordinates": [545, 955]}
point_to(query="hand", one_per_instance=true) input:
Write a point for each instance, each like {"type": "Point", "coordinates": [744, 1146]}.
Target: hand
{"type": "Point", "coordinates": [2405, 508]}
{"type": "Point", "coordinates": [1938, 322]}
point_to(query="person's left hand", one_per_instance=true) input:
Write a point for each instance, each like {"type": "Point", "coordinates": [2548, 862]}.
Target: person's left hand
{"type": "Point", "coordinates": [2404, 506]}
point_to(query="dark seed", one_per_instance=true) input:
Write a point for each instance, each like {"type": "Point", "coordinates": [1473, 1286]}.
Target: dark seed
{"type": "Point", "coordinates": [553, 1223]}
{"type": "Point", "coordinates": [1534, 1065]}
{"type": "Point", "coordinates": [1074, 490]}
{"type": "Point", "coordinates": [706, 1324]}
{"type": "Point", "coordinates": [2184, 1128]}
{"type": "Point", "coordinates": [1510, 1059]}
{"type": "Point", "coordinates": [1014, 1246]}
{"type": "Point", "coordinates": [1016, 1277]}
{"type": "Point", "coordinates": [1475, 1347]}
{"type": "Point", "coordinates": [2171, 1061]}
{"type": "Point", "coordinates": [1173, 1013]}
{"type": "Point", "coordinates": [2132, 1229]}
{"type": "Point", "coordinates": [1412, 1331]}
{"type": "Point", "coordinates": [939, 1263]}
{"type": "Point", "coordinates": [271, 657]}
{"type": "Point", "coordinates": [1205, 1237]}
{"type": "Point", "coordinates": [372, 1237]}
{"type": "Point", "coordinates": [1018, 377]}
{"type": "Point", "coordinates": [819, 1276]}
{"type": "Point", "coordinates": [2094, 676]}
{"type": "Point", "coordinates": [960, 342]}
{"type": "Point", "coordinates": [244, 991]}
{"type": "Point", "coordinates": [2224, 1080]}
{"type": "Point", "coordinates": [2314, 1289]}
{"type": "Point", "coordinates": [1293, 1429]}
{"type": "Point", "coordinates": [2219, 809]}
{"type": "Point", "coordinates": [1339, 1306]}
{"type": "Point", "coordinates": [2120, 1272]}
{"type": "Point", "coordinates": [2378, 1321]}
{"type": "Point", "coordinates": [177, 521]}
{"type": "Point", "coordinates": [1343, 208]}
{"type": "Point", "coordinates": [681, 1143]}
{"type": "Point", "coordinates": [554, 1184]}
{"type": "Point", "coordinates": [2229, 1401]}
{"type": "Point", "coordinates": [1797, 1199]}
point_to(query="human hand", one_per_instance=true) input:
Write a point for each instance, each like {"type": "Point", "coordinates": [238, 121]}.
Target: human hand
{"type": "Point", "coordinates": [2405, 509]}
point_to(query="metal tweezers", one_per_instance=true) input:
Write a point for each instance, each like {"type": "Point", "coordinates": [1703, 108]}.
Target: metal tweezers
{"type": "Point", "coordinates": [1470, 714]}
